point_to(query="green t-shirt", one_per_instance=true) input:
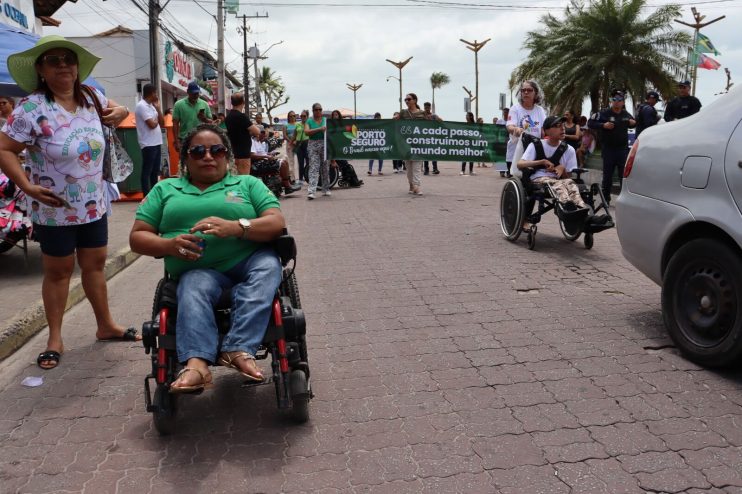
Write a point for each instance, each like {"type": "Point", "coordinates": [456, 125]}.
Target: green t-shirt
{"type": "Point", "coordinates": [174, 205]}
{"type": "Point", "coordinates": [317, 136]}
{"type": "Point", "coordinates": [300, 134]}
{"type": "Point", "coordinates": [187, 114]}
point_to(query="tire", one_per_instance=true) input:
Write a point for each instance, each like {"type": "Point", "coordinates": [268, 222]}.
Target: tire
{"type": "Point", "coordinates": [10, 240]}
{"type": "Point", "coordinates": [164, 417]}
{"type": "Point", "coordinates": [532, 237]}
{"type": "Point", "coordinates": [570, 234]}
{"type": "Point", "coordinates": [512, 208]}
{"type": "Point", "coordinates": [701, 302]}
{"type": "Point", "coordinates": [300, 406]}
{"type": "Point", "coordinates": [588, 241]}
{"type": "Point", "coordinates": [156, 300]}
{"type": "Point", "coordinates": [291, 289]}
{"type": "Point", "coordinates": [334, 176]}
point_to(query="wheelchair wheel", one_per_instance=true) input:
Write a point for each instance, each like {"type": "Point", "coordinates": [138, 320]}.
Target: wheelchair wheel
{"type": "Point", "coordinates": [570, 232]}
{"type": "Point", "coordinates": [588, 241]}
{"type": "Point", "coordinates": [334, 176]}
{"type": "Point", "coordinates": [158, 297]}
{"type": "Point", "coordinates": [166, 409]}
{"type": "Point", "coordinates": [11, 239]}
{"type": "Point", "coordinates": [299, 396]}
{"type": "Point", "coordinates": [291, 289]}
{"type": "Point", "coordinates": [512, 209]}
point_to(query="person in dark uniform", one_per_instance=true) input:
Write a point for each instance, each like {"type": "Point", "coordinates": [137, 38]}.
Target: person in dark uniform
{"type": "Point", "coordinates": [684, 105]}
{"type": "Point", "coordinates": [240, 131]}
{"type": "Point", "coordinates": [646, 114]}
{"type": "Point", "coordinates": [613, 123]}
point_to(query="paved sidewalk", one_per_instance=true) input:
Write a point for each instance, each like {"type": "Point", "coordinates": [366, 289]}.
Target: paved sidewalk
{"type": "Point", "coordinates": [444, 359]}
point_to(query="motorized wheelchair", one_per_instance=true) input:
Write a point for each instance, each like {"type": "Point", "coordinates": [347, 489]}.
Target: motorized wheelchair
{"type": "Point", "coordinates": [284, 341]}
{"type": "Point", "coordinates": [520, 196]}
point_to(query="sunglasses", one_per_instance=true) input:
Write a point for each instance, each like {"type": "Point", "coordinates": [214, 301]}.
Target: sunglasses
{"type": "Point", "coordinates": [316, 109]}
{"type": "Point", "coordinates": [56, 60]}
{"type": "Point", "coordinates": [216, 151]}
{"type": "Point", "coordinates": [526, 90]}
{"type": "Point", "coordinates": [408, 99]}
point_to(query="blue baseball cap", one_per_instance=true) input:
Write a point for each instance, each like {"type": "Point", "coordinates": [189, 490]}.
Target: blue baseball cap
{"type": "Point", "coordinates": [193, 88]}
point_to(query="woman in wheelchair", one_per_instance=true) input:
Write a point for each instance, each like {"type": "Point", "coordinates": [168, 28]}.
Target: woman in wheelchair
{"type": "Point", "coordinates": [211, 225]}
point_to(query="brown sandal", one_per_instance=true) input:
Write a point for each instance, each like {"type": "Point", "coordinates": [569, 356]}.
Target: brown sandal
{"type": "Point", "coordinates": [193, 388]}
{"type": "Point", "coordinates": [227, 359]}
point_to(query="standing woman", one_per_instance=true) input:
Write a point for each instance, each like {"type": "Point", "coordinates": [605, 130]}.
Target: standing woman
{"type": "Point", "coordinates": [525, 116]}
{"type": "Point", "coordinates": [469, 120]}
{"type": "Point", "coordinates": [572, 132]}
{"type": "Point", "coordinates": [300, 147]}
{"type": "Point", "coordinates": [414, 173]}
{"type": "Point", "coordinates": [289, 137]}
{"type": "Point", "coordinates": [315, 128]}
{"type": "Point", "coordinates": [60, 129]}
{"type": "Point", "coordinates": [377, 116]}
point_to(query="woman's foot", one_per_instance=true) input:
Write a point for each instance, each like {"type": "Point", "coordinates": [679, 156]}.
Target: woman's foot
{"type": "Point", "coordinates": [193, 378]}
{"type": "Point", "coordinates": [244, 363]}
{"type": "Point", "coordinates": [49, 358]}
{"type": "Point", "coordinates": [118, 333]}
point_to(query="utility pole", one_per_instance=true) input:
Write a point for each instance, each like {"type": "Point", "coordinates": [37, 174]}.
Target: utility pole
{"type": "Point", "coordinates": [154, 44]}
{"type": "Point", "coordinates": [245, 57]}
{"type": "Point", "coordinates": [692, 59]}
{"type": "Point", "coordinates": [255, 54]}
{"type": "Point", "coordinates": [400, 66]}
{"type": "Point", "coordinates": [354, 88]}
{"type": "Point", "coordinates": [475, 47]}
{"type": "Point", "coordinates": [220, 55]}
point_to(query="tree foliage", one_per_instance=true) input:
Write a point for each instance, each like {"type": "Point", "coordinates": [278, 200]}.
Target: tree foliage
{"type": "Point", "coordinates": [437, 81]}
{"type": "Point", "coordinates": [273, 91]}
{"type": "Point", "coordinates": [601, 46]}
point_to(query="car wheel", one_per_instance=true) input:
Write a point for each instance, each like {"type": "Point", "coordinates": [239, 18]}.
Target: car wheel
{"type": "Point", "coordinates": [701, 300]}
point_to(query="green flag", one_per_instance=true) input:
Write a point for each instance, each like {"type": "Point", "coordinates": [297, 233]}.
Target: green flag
{"type": "Point", "coordinates": [415, 140]}
{"type": "Point", "coordinates": [704, 45]}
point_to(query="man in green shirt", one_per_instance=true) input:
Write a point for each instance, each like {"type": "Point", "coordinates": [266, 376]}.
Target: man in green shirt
{"type": "Point", "coordinates": [189, 112]}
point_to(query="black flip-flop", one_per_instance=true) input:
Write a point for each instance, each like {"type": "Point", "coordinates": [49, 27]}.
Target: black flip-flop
{"type": "Point", "coordinates": [129, 335]}
{"type": "Point", "coordinates": [49, 355]}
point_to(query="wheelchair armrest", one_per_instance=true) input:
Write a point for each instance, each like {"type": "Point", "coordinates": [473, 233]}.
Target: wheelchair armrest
{"type": "Point", "coordinates": [579, 171]}
{"type": "Point", "coordinates": [285, 246]}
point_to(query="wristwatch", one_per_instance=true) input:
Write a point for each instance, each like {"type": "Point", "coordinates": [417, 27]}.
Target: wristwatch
{"type": "Point", "coordinates": [245, 224]}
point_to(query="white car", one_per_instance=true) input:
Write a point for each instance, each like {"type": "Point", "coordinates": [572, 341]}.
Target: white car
{"type": "Point", "coordinates": [679, 220]}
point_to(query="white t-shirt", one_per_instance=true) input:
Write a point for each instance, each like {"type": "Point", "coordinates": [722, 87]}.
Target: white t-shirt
{"type": "Point", "coordinates": [568, 159]}
{"type": "Point", "coordinates": [64, 153]}
{"type": "Point", "coordinates": [259, 148]}
{"type": "Point", "coordinates": [147, 137]}
{"type": "Point", "coordinates": [530, 121]}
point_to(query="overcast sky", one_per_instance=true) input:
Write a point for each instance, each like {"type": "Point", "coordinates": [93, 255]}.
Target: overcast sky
{"type": "Point", "coordinates": [325, 46]}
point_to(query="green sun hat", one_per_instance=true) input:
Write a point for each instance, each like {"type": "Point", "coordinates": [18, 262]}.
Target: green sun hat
{"type": "Point", "coordinates": [22, 65]}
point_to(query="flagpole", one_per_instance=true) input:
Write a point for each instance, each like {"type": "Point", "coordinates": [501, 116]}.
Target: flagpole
{"type": "Point", "coordinates": [694, 58]}
{"type": "Point", "coordinates": [696, 28]}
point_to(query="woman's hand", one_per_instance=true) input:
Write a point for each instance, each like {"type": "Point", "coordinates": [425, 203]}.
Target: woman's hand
{"type": "Point", "coordinates": [185, 247]}
{"type": "Point", "coordinates": [218, 227]}
{"type": "Point", "coordinates": [45, 196]}
{"type": "Point", "coordinates": [114, 116]}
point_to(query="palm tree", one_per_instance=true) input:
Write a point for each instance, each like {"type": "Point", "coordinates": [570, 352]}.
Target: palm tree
{"type": "Point", "coordinates": [601, 46]}
{"type": "Point", "coordinates": [274, 92]}
{"type": "Point", "coordinates": [437, 81]}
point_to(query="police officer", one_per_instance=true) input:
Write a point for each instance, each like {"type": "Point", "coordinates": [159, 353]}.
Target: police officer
{"type": "Point", "coordinates": [684, 105]}
{"type": "Point", "coordinates": [613, 123]}
{"type": "Point", "coordinates": [646, 114]}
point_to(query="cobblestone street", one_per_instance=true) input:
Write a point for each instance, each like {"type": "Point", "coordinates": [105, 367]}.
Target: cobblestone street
{"type": "Point", "coordinates": [444, 359]}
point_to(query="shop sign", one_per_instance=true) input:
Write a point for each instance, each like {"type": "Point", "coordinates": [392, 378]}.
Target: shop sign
{"type": "Point", "coordinates": [178, 69]}
{"type": "Point", "coordinates": [18, 13]}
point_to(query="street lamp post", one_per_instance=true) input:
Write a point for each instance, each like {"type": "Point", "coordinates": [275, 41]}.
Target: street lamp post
{"type": "Point", "coordinates": [354, 88]}
{"type": "Point", "coordinates": [400, 66]}
{"type": "Point", "coordinates": [475, 47]}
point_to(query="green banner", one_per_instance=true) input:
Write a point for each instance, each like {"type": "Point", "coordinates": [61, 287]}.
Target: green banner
{"type": "Point", "coordinates": [427, 140]}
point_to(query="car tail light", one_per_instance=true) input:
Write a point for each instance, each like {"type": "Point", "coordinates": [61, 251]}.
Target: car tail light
{"type": "Point", "coordinates": [630, 159]}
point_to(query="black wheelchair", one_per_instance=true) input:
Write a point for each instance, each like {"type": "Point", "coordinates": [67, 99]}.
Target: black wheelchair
{"type": "Point", "coordinates": [520, 196]}
{"type": "Point", "coordinates": [284, 341]}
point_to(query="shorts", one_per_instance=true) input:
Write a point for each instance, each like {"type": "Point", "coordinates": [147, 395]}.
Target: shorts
{"type": "Point", "coordinates": [63, 241]}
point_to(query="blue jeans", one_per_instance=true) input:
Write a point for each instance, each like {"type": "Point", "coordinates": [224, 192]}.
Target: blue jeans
{"type": "Point", "coordinates": [371, 165]}
{"type": "Point", "coordinates": [151, 157]}
{"type": "Point", "coordinates": [255, 281]}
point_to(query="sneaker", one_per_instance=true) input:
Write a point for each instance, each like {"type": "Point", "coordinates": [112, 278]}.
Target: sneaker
{"type": "Point", "coordinates": [395, 171]}
{"type": "Point", "coordinates": [369, 172]}
{"type": "Point", "coordinates": [462, 173]}
{"type": "Point", "coordinates": [472, 172]}
{"type": "Point", "coordinates": [380, 173]}
{"type": "Point", "coordinates": [327, 193]}
{"type": "Point", "coordinates": [310, 196]}
{"type": "Point", "coordinates": [290, 189]}
{"type": "Point", "coordinates": [426, 172]}
{"type": "Point", "coordinates": [436, 172]}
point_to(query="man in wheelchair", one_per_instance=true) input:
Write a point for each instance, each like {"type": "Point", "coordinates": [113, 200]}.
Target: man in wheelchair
{"type": "Point", "coordinates": [266, 161]}
{"type": "Point", "coordinates": [212, 227]}
{"type": "Point", "coordinates": [550, 162]}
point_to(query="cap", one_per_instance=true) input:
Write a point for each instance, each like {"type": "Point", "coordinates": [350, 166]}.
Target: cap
{"type": "Point", "coordinates": [617, 96]}
{"type": "Point", "coordinates": [552, 121]}
{"type": "Point", "coordinates": [653, 94]}
{"type": "Point", "coordinates": [193, 88]}
{"type": "Point", "coordinates": [684, 83]}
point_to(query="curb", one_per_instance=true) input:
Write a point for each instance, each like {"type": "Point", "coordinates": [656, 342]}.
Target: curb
{"type": "Point", "coordinates": [21, 328]}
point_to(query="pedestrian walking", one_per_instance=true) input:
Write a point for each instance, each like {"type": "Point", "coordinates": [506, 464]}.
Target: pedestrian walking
{"type": "Point", "coordinates": [289, 137]}
{"type": "Point", "coordinates": [469, 120]}
{"type": "Point", "coordinates": [413, 112]}
{"type": "Point", "coordinates": [377, 116]}
{"type": "Point", "coordinates": [428, 109]}
{"type": "Point", "coordinates": [60, 113]}
{"type": "Point", "coordinates": [300, 146]}
{"type": "Point", "coordinates": [503, 120]}
{"type": "Point", "coordinates": [683, 105]}
{"type": "Point", "coordinates": [189, 112]}
{"type": "Point", "coordinates": [240, 131]}
{"type": "Point", "coordinates": [646, 113]}
{"type": "Point", "coordinates": [613, 123]}
{"type": "Point", "coordinates": [149, 121]}
{"type": "Point", "coordinates": [525, 117]}
{"type": "Point", "coordinates": [315, 128]}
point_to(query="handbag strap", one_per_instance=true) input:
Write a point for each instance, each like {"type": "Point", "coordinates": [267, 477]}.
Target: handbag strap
{"type": "Point", "coordinates": [96, 102]}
